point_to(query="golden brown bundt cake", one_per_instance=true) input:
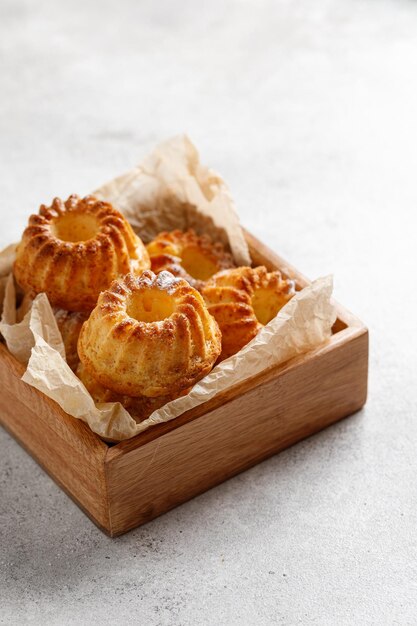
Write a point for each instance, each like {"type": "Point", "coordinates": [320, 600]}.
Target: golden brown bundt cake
{"type": "Point", "coordinates": [243, 300]}
{"type": "Point", "coordinates": [149, 335]}
{"type": "Point", "coordinates": [69, 324]}
{"type": "Point", "coordinates": [72, 250]}
{"type": "Point", "coordinates": [139, 408]}
{"type": "Point", "coordinates": [190, 256]}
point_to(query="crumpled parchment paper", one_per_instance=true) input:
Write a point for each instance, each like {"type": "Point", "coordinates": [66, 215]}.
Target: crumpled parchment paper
{"type": "Point", "coordinates": [170, 189]}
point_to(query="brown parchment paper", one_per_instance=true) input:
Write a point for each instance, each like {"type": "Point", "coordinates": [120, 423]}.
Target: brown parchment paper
{"type": "Point", "coordinates": [170, 189]}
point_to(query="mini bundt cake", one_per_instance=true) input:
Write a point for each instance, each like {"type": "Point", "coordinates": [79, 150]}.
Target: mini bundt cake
{"type": "Point", "coordinates": [139, 408]}
{"type": "Point", "coordinates": [188, 255]}
{"type": "Point", "coordinates": [149, 335]}
{"type": "Point", "coordinates": [243, 300]}
{"type": "Point", "coordinates": [69, 324]}
{"type": "Point", "coordinates": [73, 250]}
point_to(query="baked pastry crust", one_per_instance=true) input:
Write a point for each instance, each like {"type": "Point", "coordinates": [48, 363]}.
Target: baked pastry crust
{"type": "Point", "coordinates": [73, 250]}
{"type": "Point", "coordinates": [150, 335]}
{"type": "Point", "coordinates": [243, 300]}
{"type": "Point", "coordinates": [139, 408]}
{"type": "Point", "coordinates": [70, 324]}
{"type": "Point", "coordinates": [188, 255]}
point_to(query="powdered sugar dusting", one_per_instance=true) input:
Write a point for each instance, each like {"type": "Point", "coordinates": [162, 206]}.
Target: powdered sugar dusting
{"type": "Point", "coordinates": [166, 280]}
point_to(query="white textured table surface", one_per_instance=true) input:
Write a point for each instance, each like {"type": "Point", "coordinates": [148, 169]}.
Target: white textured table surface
{"type": "Point", "coordinates": [308, 110]}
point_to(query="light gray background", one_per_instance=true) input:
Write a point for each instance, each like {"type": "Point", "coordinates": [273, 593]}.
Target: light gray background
{"type": "Point", "coordinates": [309, 110]}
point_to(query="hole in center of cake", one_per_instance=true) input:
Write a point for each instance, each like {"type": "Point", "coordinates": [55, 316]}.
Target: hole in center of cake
{"type": "Point", "coordinates": [74, 227]}
{"type": "Point", "coordinates": [197, 264]}
{"type": "Point", "coordinates": [150, 306]}
{"type": "Point", "coordinates": [266, 304]}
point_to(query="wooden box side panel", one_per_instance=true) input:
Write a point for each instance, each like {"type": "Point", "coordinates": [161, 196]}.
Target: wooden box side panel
{"type": "Point", "coordinates": [151, 479]}
{"type": "Point", "coordinates": [66, 448]}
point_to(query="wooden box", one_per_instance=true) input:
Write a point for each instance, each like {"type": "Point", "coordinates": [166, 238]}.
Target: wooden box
{"type": "Point", "coordinates": [122, 486]}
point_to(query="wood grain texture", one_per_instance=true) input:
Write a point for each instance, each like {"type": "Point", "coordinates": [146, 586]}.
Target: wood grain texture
{"type": "Point", "coordinates": [130, 483]}
{"type": "Point", "coordinates": [65, 447]}
{"type": "Point", "coordinates": [306, 396]}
